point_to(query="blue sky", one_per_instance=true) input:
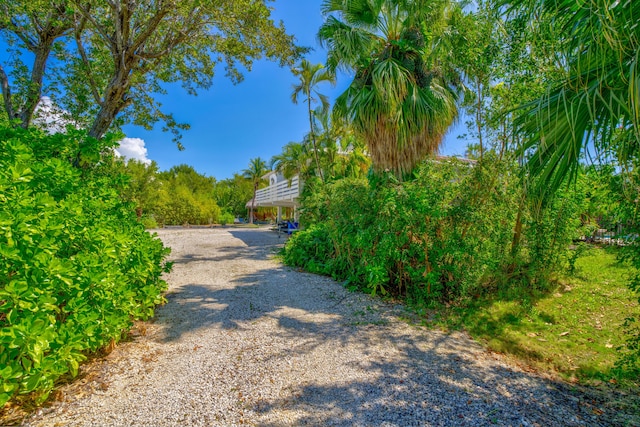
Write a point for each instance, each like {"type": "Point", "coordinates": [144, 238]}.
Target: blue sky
{"type": "Point", "coordinates": [256, 118]}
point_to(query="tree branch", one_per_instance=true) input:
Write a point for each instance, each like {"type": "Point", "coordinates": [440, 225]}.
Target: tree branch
{"type": "Point", "coordinates": [18, 31]}
{"type": "Point", "coordinates": [86, 13]}
{"type": "Point", "coordinates": [86, 62]}
{"type": "Point", "coordinates": [151, 27]}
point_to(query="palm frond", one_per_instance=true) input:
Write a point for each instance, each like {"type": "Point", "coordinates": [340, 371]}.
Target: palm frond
{"type": "Point", "coordinates": [395, 103]}
{"type": "Point", "coordinates": [597, 102]}
{"type": "Point", "coordinates": [344, 43]}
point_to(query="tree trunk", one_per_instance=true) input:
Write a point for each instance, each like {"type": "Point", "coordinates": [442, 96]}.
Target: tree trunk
{"type": "Point", "coordinates": [6, 94]}
{"type": "Point", "coordinates": [479, 116]}
{"type": "Point", "coordinates": [35, 85]}
{"type": "Point", "coordinates": [114, 102]}
{"type": "Point", "coordinates": [253, 203]}
{"type": "Point", "coordinates": [313, 138]}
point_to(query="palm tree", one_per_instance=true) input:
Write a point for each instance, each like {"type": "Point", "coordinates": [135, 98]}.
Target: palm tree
{"type": "Point", "coordinates": [402, 99]}
{"type": "Point", "coordinates": [342, 154]}
{"type": "Point", "coordinates": [310, 77]}
{"type": "Point", "coordinates": [254, 173]}
{"type": "Point", "coordinates": [327, 136]}
{"type": "Point", "coordinates": [353, 161]}
{"type": "Point", "coordinates": [294, 160]}
{"type": "Point", "coordinates": [597, 102]}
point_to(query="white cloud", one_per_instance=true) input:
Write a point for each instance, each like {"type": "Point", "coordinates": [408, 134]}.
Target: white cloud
{"type": "Point", "coordinates": [133, 148]}
{"type": "Point", "coordinates": [50, 117]}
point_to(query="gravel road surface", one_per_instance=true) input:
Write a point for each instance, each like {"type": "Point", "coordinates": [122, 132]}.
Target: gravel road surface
{"type": "Point", "coordinates": [244, 340]}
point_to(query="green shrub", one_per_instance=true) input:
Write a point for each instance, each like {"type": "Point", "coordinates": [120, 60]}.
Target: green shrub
{"type": "Point", "coordinates": [226, 218]}
{"type": "Point", "coordinates": [149, 223]}
{"type": "Point", "coordinates": [443, 236]}
{"type": "Point", "coordinates": [626, 190]}
{"type": "Point", "coordinates": [311, 250]}
{"type": "Point", "coordinates": [76, 267]}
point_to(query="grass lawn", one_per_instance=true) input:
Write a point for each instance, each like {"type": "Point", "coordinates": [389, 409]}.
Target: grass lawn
{"type": "Point", "coordinates": [574, 330]}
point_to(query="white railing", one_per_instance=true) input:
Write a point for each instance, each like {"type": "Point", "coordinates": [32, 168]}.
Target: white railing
{"type": "Point", "coordinates": [280, 192]}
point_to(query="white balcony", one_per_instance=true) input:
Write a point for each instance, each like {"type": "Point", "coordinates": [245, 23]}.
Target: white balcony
{"type": "Point", "coordinates": [281, 192]}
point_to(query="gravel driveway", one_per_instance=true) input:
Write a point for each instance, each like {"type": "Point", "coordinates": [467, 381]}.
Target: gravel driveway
{"type": "Point", "coordinates": [245, 340]}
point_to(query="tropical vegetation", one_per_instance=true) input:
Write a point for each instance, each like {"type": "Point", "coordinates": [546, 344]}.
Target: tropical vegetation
{"type": "Point", "coordinates": [76, 266]}
{"type": "Point", "coordinates": [255, 173]}
{"type": "Point", "coordinates": [403, 97]}
{"type": "Point", "coordinates": [310, 77]}
{"type": "Point", "coordinates": [501, 242]}
{"type": "Point", "coordinates": [542, 98]}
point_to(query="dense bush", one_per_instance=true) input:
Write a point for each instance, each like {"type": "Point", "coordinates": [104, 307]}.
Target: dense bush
{"type": "Point", "coordinates": [624, 194]}
{"type": "Point", "coordinates": [447, 234]}
{"type": "Point", "coordinates": [178, 196]}
{"type": "Point", "coordinates": [186, 197]}
{"type": "Point", "coordinates": [76, 267]}
{"type": "Point", "coordinates": [312, 250]}
{"type": "Point", "coordinates": [226, 218]}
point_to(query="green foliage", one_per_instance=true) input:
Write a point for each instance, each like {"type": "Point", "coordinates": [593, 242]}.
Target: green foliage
{"type": "Point", "coordinates": [149, 222]}
{"type": "Point", "coordinates": [444, 236]}
{"type": "Point", "coordinates": [310, 77]}
{"type": "Point", "coordinates": [226, 218]}
{"type": "Point", "coordinates": [76, 267]}
{"type": "Point", "coordinates": [592, 102]}
{"type": "Point", "coordinates": [403, 95]}
{"type": "Point", "coordinates": [143, 187]}
{"type": "Point", "coordinates": [186, 197]}
{"type": "Point", "coordinates": [550, 228]}
{"type": "Point", "coordinates": [232, 194]}
{"type": "Point", "coordinates": [254, 173]}
{"type": "Point", "coordinates": [311, 250]}
{"type": "Point", "coordinates": [626, 189]}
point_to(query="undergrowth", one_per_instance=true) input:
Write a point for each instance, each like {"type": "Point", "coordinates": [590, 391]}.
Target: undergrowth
{"type": "Point", "coordinates": [575, 329]}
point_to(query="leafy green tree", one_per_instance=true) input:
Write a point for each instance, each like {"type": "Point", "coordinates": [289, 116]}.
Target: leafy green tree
{"type": "Point", "coordinates": [143, 186]}
{"type": "Point", "coordinates": [117, 55]}
{"type": "Point", "coordinates": [310, 77]}
{"type": "Point", "coordinates": [254, 173]}
{"type": "Point", "coordinates": [232, 194]}
{"type": "Point", "coordinates": [188, 177]}
{"type": "Point", "coordinates": [187, 197]}
{"type": "Point", "coordinates": [294, 160]}
{"type": "Point", "coordinates": [403, 97]}
{"type": "Point", "coordinates": [478, 50]}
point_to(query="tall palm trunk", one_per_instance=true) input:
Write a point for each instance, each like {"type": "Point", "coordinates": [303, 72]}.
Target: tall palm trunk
{"type": "Point", "coordinates": [253, 202]}
{"type": "Point", "coordinates": [313, 138]}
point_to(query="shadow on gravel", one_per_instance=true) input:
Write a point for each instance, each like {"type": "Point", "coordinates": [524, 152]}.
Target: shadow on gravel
{"type": "Point", "coordinates": [258, 245]}
{"type": "Point", "coordinates": [263, 238]}
{"type": "Point", "coordinates": [435, 381]}
{"type": "Point", "coordinates": [422, 386]}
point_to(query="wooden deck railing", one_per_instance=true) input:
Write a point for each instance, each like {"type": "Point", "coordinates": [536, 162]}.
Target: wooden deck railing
{"type": "Point", "coordinates": [278, 193]}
